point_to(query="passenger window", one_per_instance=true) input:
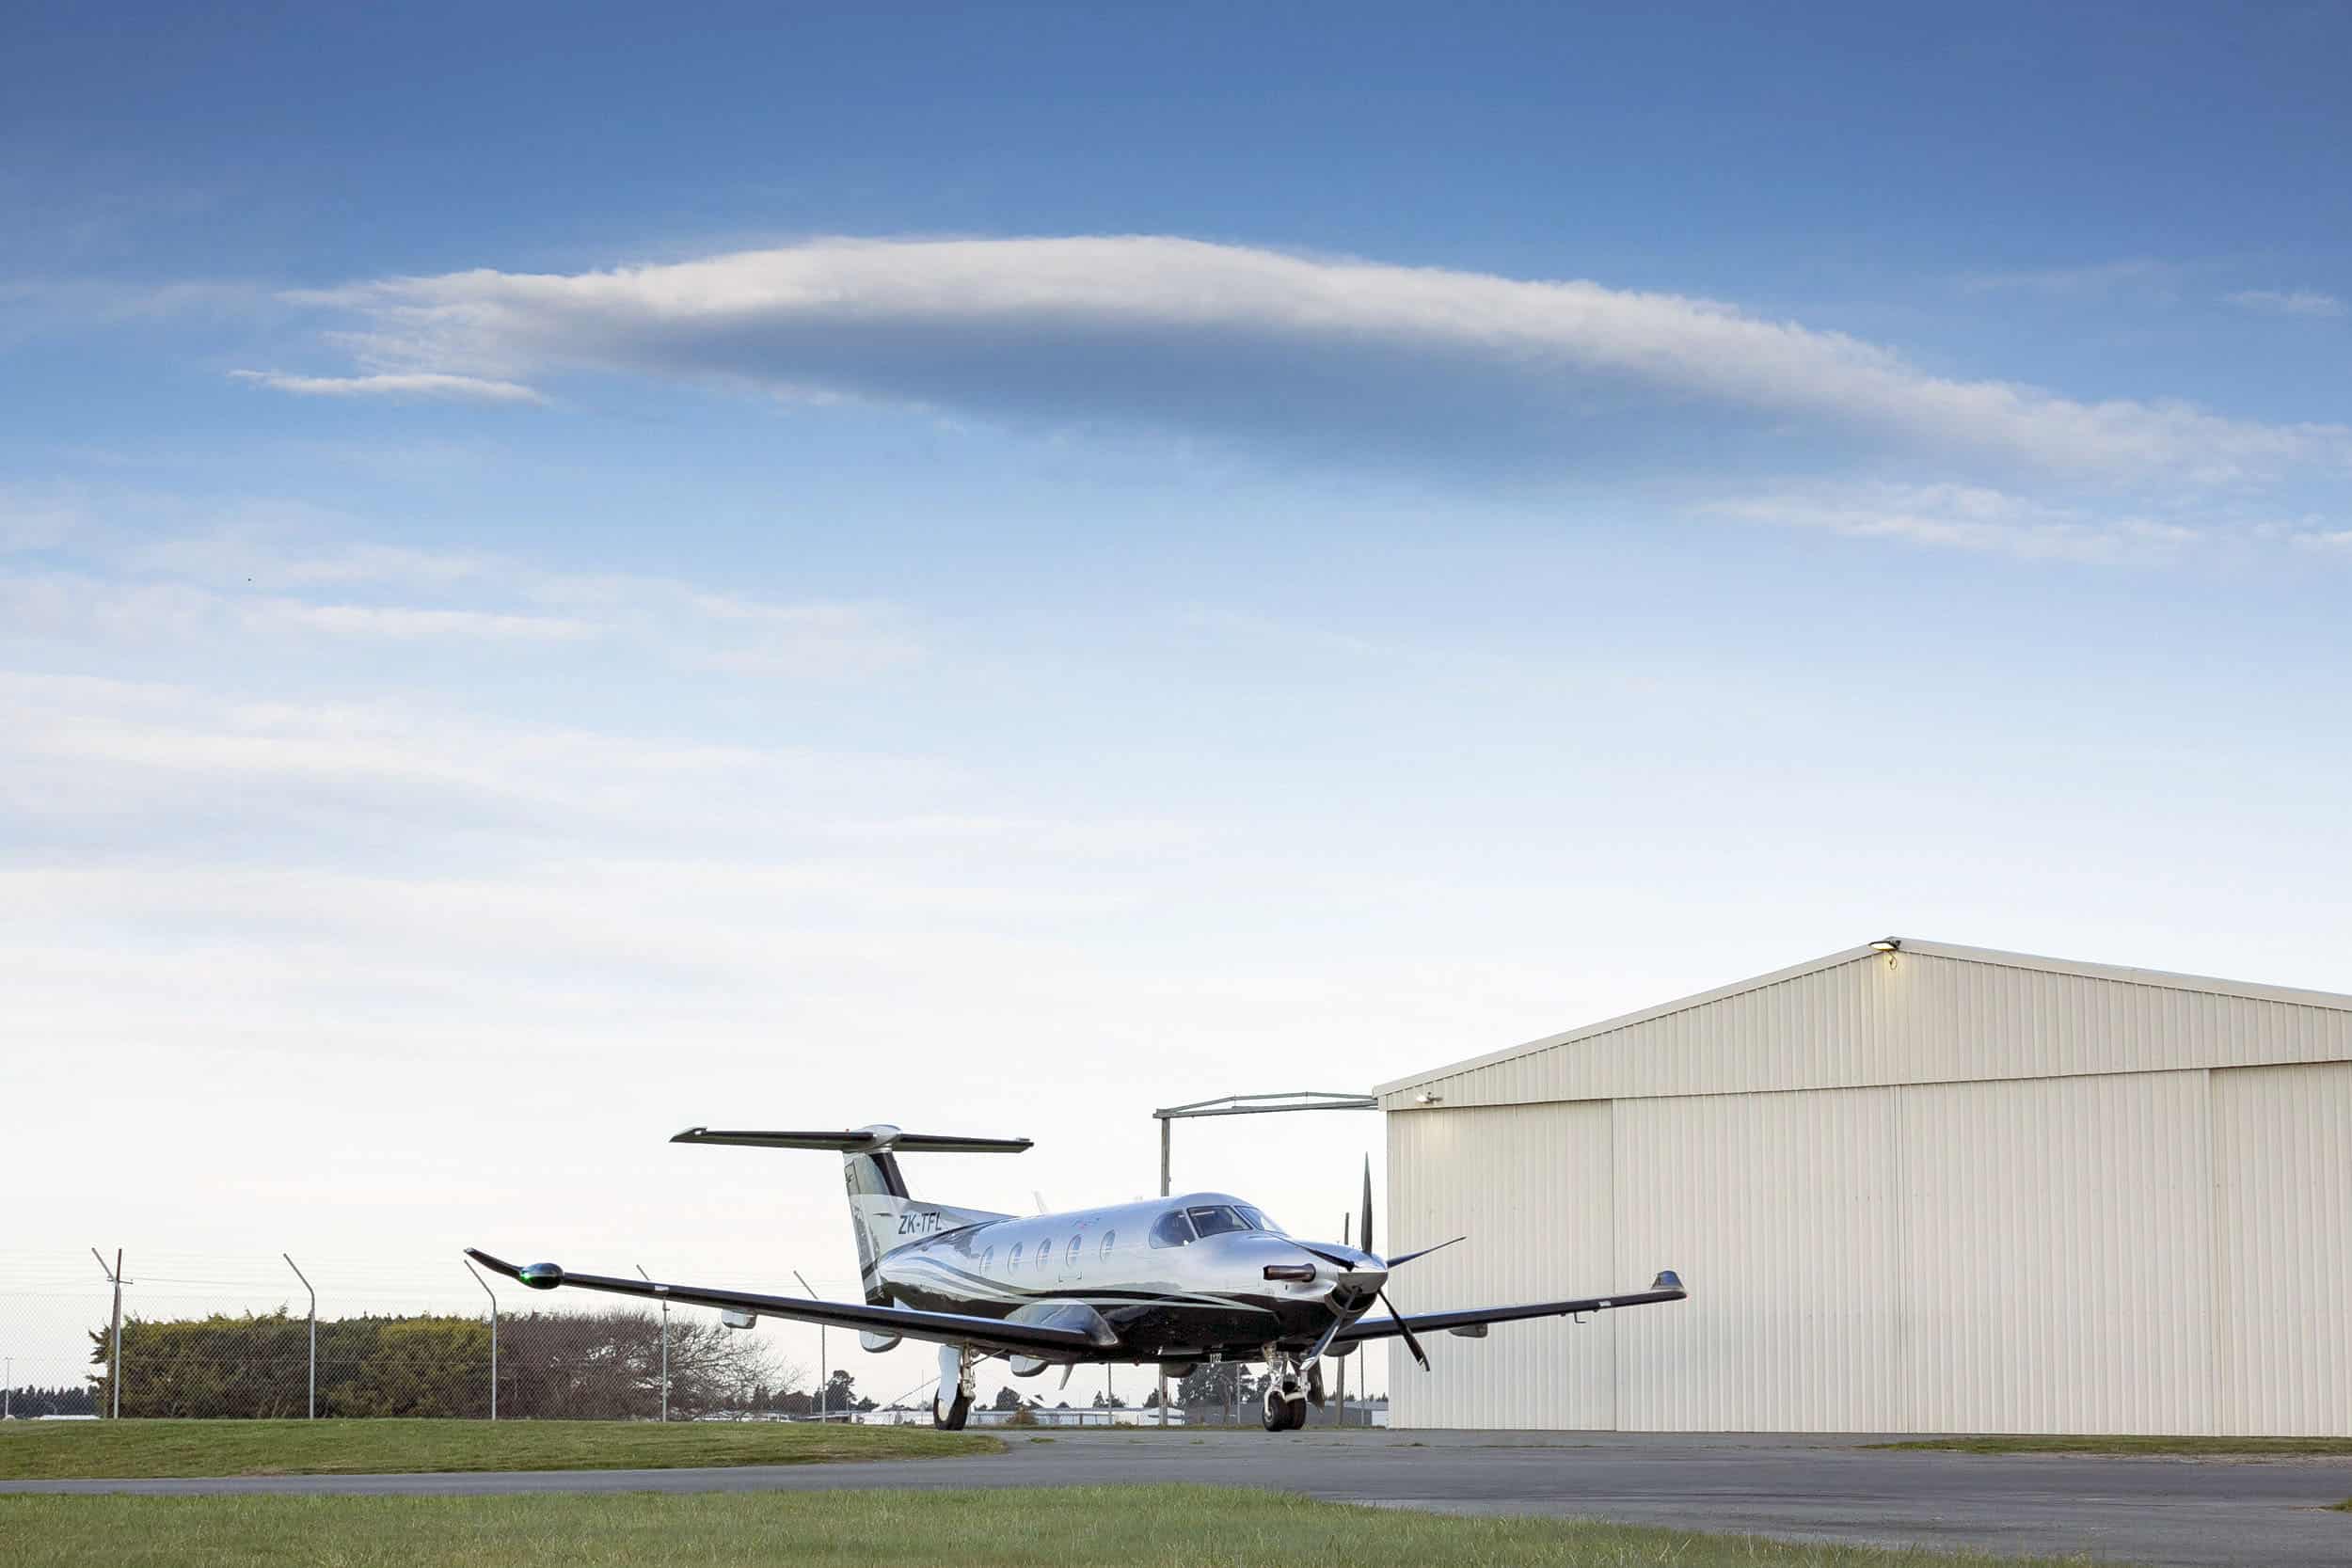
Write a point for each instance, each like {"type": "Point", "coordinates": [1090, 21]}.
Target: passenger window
{"type": "Point", "coordinates": [1171, 1230]}
{"type": "Point", "coordinates": [1070, 1259]}
{"type": "Point", "coordinates": [1044, 1254]}
{"type": "Point", "coordinates": [1014, 1261]}
{"type": "Point", "coordinates": [1108, 1237]}
{"type": "Point", "coordinates": [988, 1260]}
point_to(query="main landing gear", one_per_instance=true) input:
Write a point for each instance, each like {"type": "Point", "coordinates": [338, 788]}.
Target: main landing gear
{"type": "Point", "coordinates": [1287, 1391]}
{"type": "Point", "coordinates": [959, 1380]}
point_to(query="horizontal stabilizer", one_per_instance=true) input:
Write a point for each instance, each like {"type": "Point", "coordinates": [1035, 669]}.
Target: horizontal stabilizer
{"type": "Point", "coordinates": [857, 1140]}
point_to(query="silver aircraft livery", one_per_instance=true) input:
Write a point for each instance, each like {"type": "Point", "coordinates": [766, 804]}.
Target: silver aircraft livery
{"type": "Point", "coordinates": [1175, 1280]}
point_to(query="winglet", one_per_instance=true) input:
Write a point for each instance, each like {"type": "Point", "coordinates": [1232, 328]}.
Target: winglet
{"type": "Point", "coordinates": [539, 1276]}
{"type": "Point", "coordinates": [496, 1265]}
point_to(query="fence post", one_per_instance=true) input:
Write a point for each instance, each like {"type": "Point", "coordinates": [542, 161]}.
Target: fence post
{"type": "Point", "coordinates": [665, 1348]}
{"type": "Point", "coordinates": [314, 1335]}
{"type": "Point", "coordinates": [494, 1339]}
{"type": "Point", "coordinates": [114, 1367]}
{"type": "Point", "coordinates": [824, 1376]}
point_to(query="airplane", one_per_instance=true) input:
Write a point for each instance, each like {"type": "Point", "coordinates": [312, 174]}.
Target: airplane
{"type": "Point", "coordinates": [1203, 1276]}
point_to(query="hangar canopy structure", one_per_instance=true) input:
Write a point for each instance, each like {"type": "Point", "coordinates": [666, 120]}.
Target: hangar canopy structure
{"type": "Point", "coordinates": [1933, 1189]}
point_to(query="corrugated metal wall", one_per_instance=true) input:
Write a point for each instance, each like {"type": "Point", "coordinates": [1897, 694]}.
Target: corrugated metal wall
{"type": "Point", "coordinates": [2158, 1247]}
{"type": "Point", "coordinates": [1780, 1211]}
{"type": "Point", "coordinates": [2058, 1256]}
{"type": "Point", "coordinates": [2283, 1249]}
{"type": "Point", "coordinates": [1530, 1185]}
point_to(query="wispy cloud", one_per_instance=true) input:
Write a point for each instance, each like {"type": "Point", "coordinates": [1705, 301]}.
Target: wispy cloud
{"type": "Point", "coordinates": [2141, 274]}
{"type": "Point", "coordinates": [1969, 517]}
{"type": "Point", "coordinates": [1267, 345]}
{"type": "Point", "coordinates": [405, 384]}
{"type": "Point", "coordinates": [2288, 302]}
{"type": "Point", "coordinates": [77, 606]}
{"type": "Point", "coordinates": [36, 519]}
{"type": "Point", "coordinates": [281, 576]}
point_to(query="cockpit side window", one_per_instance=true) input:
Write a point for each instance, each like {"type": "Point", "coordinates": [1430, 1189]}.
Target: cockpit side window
{"type": "Point", "coordinates": [1259, 1221]}
{"type": "Point", "coordinates": [1171, 1230]}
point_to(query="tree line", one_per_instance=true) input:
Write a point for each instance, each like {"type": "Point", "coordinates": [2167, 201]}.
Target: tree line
{"type": "Point", "coordinates": [28, 1402]}
{"type": "Point", "coordinates": [586, 1365]}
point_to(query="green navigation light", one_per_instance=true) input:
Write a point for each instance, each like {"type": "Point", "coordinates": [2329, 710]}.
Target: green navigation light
{"type": "Point", "coordinates": [541, 1277]}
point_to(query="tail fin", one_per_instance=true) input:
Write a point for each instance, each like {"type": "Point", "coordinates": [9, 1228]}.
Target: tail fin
{"type": "Point", "coordinates": [883, 1215]}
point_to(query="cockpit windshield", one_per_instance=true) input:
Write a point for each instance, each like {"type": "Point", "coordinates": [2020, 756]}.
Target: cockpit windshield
{"type": "Point", "coordinates": [1215, 1219]}
{"type": "Point", "coordinates": [1182, 1226]}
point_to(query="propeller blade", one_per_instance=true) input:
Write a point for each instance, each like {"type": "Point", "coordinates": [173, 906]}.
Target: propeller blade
{"type": "Point", "coordinates": [1424, 1252]}
{"type": "Point", "coordinates": [1406, 1334]}
{"type": "Point", "coordinates": [1337, 1259]}
{"type": "Point", "coordinates": [1364, 1238]}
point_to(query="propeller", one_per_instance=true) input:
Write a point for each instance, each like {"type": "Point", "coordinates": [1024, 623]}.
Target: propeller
{"type": "Point", "coordinates": [1364, 1240]}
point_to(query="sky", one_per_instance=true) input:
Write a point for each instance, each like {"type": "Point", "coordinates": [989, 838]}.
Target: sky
{"type": "Point", "coordinates": [571, 572]}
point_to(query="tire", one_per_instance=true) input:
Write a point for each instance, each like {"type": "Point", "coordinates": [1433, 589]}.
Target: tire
{"type": "Point", "coordinates": [952, 1416]}
{"type": "Point", "coordinates": [1283, 1414]}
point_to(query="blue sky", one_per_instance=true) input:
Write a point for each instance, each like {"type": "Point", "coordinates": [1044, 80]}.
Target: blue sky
{"type": "Point", "coordinates": [1011, 566]}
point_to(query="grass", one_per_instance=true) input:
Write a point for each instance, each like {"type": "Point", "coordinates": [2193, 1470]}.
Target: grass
{"type": "Point", "coordinates": [47, 1450]}
{"type": "Point", "coordinates": [2186, 1448]}
{"type": "Point", "coordinates": [1118, 1527]}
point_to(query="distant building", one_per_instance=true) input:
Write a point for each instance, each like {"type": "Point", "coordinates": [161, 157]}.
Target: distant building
{"type": "Point", "coordinates": [1912, 1188]}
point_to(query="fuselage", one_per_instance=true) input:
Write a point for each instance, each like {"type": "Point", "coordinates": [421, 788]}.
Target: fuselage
{"type": "Point", "coordinates": [1178, 1278]}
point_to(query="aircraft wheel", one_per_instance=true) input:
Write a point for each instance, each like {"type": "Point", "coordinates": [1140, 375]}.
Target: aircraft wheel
{"type": "Point", "coordinates": [951, 1416]}
{"type": "Point", "coordinates": [1277, 1410]}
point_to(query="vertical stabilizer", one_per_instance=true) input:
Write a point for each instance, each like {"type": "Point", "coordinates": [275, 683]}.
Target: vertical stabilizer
{"type": "Point", "coordinates": [883, 1216]}
{"type": "Point", "coordinates": [878, 1210]}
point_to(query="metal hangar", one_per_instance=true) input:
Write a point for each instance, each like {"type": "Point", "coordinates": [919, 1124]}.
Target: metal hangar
{"type": "Point", "coordinates": [1912, 1187]}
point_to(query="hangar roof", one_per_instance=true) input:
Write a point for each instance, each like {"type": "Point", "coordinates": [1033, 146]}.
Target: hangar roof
{"type": "Point", "coordinates": [1930, 1012]}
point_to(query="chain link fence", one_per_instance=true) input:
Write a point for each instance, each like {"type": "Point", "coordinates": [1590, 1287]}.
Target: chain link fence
{"type": "Point", "coordinates": [197, 1340]}
{"type": "Point", "coordinates": [211, 1339]}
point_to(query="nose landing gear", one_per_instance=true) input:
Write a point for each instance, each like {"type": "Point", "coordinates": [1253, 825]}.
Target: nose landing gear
{"type": "Point", "coordinates": [1286, 1393]}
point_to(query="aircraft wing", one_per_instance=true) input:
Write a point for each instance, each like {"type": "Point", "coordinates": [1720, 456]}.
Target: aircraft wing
{"type": "Point", "coordinates": [1666, 1287]}
{"type": "Point", "coordinates": [947, 1327]}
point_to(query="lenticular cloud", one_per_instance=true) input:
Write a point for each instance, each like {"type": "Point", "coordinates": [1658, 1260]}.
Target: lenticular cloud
{"type": "Point", "coordinates": [1260, 343]}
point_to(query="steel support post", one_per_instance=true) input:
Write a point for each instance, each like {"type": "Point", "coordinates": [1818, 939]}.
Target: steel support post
{"type": "Point", "coordinates": [665, 1348]}
{"type": "Point", "coordinates": [314, 1335]}
{"type": "Point", "coordinates": [494, 1339]}
{"type": "Point", "coordinates": [824, 1374]}
{"type": "Point", "coordinates": [114, 1364]}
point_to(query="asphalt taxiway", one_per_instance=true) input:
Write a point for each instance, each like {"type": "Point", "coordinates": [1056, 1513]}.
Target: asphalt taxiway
{"type": "Point", "coordinates": [2190, 1513]}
